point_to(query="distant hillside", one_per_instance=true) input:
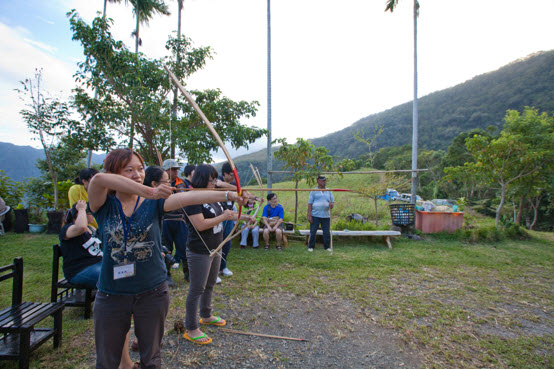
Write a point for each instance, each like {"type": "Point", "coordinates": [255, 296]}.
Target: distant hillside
{"type": "Point", "coordinates": [19, 161]}
{"type": "Point", "coordinates": [477, 103]}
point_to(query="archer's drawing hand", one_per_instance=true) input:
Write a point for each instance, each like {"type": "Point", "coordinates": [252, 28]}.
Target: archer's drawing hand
{"type": "Point", "coordinates": [229, 215]}
{"type": "Point", "coordinates": [161, 192]}
{"type": "Point", "coordinates": [241, 200]}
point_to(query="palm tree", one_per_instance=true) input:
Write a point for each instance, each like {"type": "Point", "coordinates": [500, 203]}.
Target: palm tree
{"type": "Point", "coordinates": [144, 11]}
{"type": "Point", "coordinates": [89, 159]}
{"type": "Point", "coordinates": [390, 5]}
{"type": "Point", "coordinates": [175, 90]}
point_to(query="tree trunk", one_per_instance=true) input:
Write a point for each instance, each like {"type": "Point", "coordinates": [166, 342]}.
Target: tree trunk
{"type": "Point", "coordinates": [175, 90]}
{"type": "Point", "coordinates": [520, 210]}
{"type": "Point", "coordinates": [376, 215]}
{"type": "Point", "coordinates": [499, 209]}
{"type": "Point", "coordinates": [296, 203]}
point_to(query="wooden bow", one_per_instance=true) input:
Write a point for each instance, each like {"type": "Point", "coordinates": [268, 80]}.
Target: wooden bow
{"type": "Point", "coordinates": [195, 106]}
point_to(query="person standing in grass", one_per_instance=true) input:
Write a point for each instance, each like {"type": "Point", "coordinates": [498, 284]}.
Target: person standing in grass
{"type": "Point", "coordinates": [320, 204]}
{"type": "Point", "coordinates": [226, 180]}
{"type": "Point", "coordinates": [205, 235]}
{"type": "Point", "coordinates": [175, 230]}
{"type": "Point", "coordinates": [133, 275]}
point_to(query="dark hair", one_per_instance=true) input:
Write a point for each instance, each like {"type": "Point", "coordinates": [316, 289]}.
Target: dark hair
{"type": "Point", "coordinates": [153, 174]}
{"type": "Point", "coordinates": [118, 159]}
{"type": "Point", "coordinates": [226, 168]}
{"type": "Point", "coordinates": [189, 169]}
{"type": "Point", "coordinates": [85, 174]}
{"type": "Point", "coordinates": [202, 175]}
{"type": "Point", "coordinates": [71, 214]}
{"type": "Point", "coordinates": [270, 196]}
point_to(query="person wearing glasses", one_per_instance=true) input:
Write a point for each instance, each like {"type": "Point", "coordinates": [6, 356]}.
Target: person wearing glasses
{"type": "Point", "coordinates": [175, 230]}
{"type": "Point", "coordinates": [205, 235]}
{"type": "Point", "coordinates": [132, 282]}
{"type": "Point", "coordinates": [272, 218]}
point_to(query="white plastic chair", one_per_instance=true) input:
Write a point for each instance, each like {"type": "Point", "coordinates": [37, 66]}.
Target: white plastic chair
{"type": "Point", "coordinates": [2, 216]}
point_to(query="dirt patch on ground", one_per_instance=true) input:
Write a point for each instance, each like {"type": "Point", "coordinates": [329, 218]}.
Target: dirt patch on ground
{"type": "Point", "coordinates": [338, 335]}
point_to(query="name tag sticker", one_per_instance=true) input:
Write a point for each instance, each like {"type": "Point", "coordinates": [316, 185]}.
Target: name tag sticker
{"type": "Point", "coordinates": [123, 271]}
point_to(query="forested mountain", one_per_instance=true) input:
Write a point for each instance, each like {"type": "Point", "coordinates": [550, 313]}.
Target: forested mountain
{"type": "Point", "coordinates": [19, 162]}
{"type": "Point", "coordinates": [477, 103]}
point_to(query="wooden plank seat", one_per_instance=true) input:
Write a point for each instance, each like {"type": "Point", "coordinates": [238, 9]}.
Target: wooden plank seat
{"type": "Point", "coordinates": [70, 294]}
{"type": "Point", "coordinates": [385, 234]}
{"type": "Point", "coordinates": [18, 335]}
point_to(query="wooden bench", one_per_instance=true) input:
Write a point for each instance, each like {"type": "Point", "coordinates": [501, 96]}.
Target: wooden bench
{"type": "Point", "coordinates": [385, 234]}
{"type": "Point", "coordinates": [19, 337]}
{"type": "Point", "coordinates": [64, 291]}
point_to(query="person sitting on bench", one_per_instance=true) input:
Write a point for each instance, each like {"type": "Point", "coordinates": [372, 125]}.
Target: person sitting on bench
{"type": "Point", "coordinates": [82, 256]}
{"type": "Point", "coordinates": [272, 219]}
{"type": "Point", "coordinates": [81, 250]}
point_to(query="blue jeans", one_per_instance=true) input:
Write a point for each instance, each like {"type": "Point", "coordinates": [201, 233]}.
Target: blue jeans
{"type": "Point", "coordinates": [325, 226]}
{"type": "Point", "coordinates": [227, 228]}
{"type": "Point", "coordinates": [176, 232]}
{"type": "Point", "coordinates": [255, 235]}
{"type": "Point", "coordinates": [88, 276]}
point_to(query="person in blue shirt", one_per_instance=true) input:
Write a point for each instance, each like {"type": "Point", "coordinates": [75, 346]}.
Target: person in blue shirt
{"type": "Point", "coordinates": [272, 219]}
{"type": "Point", "coordinates": [132, 281]}
{"type": "Point", "coordinates": [320, 204]}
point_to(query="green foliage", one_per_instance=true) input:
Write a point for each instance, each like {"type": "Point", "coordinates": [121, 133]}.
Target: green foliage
{"type": "Point", "coordinates": [344, 224]}
{"type": "Point", "coordinates": [523, 148]}
{"type": "Point", "coordinates": [369, 141]}
{"type": "Point", "coordinates": [492, 233]}
{"type": "Point", "coordinates": [478, 103]}
{"type": "Point", "coordinates": [63, 201]}
{"type": "Point", "coordinates": [10, 191]}
{"type": "Point", "coordinates": [132, 87]}
{"type": "Point", "coordinates": [305, 160]}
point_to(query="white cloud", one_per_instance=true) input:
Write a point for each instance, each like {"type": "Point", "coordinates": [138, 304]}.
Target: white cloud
{"type": "Point", "coordinates": [43, 46]}
{"type": "Point", "coordinates": [332, 63]}
{"type": "Point", "coordinates": [19, 60]}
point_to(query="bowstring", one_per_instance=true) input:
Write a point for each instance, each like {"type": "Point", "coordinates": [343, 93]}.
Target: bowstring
{"type": "Point", "coordinates": [197, 231]}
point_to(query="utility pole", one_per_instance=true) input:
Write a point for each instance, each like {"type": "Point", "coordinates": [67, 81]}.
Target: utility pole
{"type": "Point", "coordinates": [269, 152]}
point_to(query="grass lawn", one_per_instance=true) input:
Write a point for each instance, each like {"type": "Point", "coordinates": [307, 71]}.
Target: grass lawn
{"type": "Point", "coordinates": [459, 305]}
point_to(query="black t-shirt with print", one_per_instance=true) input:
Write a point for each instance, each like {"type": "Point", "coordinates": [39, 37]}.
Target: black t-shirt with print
{"type": "Point", "coordinates": [79, 252]}
{"type": "Point", "coordinates": [203, 242]}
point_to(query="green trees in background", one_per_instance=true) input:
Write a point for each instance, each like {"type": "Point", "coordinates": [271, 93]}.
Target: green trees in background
{"type": "Point", "coordinates": [305, 160]}
{"type": "Point", "coordinates": [49, 119]}
{"type": "Point", "coordinates": [523, 150]}
{"type": "Point", "coordinates": [133, 88]}
{"type": "Point", "coordinates": [491, 169]}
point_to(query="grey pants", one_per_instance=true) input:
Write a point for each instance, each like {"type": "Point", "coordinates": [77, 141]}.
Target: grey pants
{"type": "Point", "coordinates": [203, 274]}
{"type": "Point", "coordinates": [112, 321]}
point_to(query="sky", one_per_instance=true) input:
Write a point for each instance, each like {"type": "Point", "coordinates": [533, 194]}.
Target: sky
{"type": "Point", "coordinates": [333, 62]}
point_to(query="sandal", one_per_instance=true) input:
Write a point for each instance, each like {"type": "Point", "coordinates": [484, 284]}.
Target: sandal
{"type": "Point", "coordinates": [217, 321]}
{"type": "Point", "coordinates": [266, 247]}
{"type": "Point", "coordinates": [279, 248]}
{"type": "Point", "coordinates": [195, 339]}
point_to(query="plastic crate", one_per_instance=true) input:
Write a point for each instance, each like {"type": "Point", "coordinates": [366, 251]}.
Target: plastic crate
{"type": "Point", "coordinates": [402, 214]}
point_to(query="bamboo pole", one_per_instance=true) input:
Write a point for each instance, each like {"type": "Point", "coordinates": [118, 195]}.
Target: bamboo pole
{"type": "Point", "coordinates": [261, 335]}
{"type": "Point", "coordinates": [268, 189]}
{"type": "Point", "coordinates": [368, 172]}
